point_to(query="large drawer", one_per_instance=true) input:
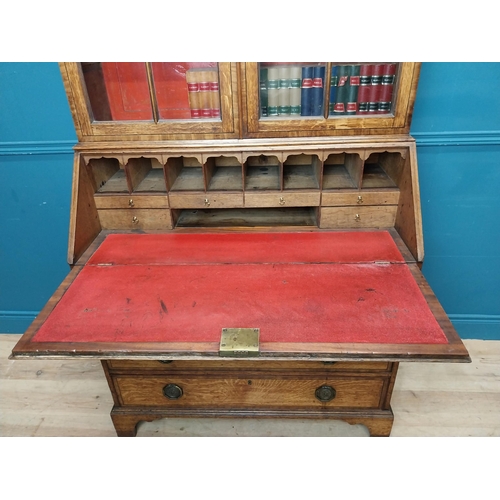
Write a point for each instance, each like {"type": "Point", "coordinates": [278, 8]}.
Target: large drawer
{"type": "Point", "coordinates": [255, 392]}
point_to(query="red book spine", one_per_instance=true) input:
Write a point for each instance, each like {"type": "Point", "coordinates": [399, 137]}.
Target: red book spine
{"type": "Point", "coordinates": [375, 88]}
{"type": "Point", "coordinates": [365, 81]}
{"type": "Point", "coordinates": [387, 87]}
{"type": "Point", "coordinates": [204, 86]}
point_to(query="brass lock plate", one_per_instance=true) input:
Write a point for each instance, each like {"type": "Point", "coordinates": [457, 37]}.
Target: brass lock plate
{"type": "Point", "coordinates": [239, 342]}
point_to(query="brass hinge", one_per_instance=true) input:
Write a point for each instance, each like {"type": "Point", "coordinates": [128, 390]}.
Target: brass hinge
{"type": "Point", "coordinates": [239, 342]}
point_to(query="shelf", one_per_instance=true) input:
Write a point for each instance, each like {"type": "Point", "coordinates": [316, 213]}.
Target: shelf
{"type": "Point", "coordinates": [154, 182]}
{"type": "Point", "coordinates": [117, 183]}
{"type": "Point", "coordinates": [248, 217]}
{"type": "Point", "coordinates": [374, 176]}
{"type": "Point", "coordinates": [337, 177]}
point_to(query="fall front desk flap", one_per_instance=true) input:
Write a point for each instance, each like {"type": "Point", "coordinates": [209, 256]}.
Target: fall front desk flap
{"type": "Point", "coordinates": [317, 287]}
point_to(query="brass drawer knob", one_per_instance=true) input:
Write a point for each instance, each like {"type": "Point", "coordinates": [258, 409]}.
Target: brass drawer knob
{"type": "Point", "coordinates": [282, 201]}
{"type": "Point", "coordinates": [360, 200]}
{"type": "Point", "coordinates": [207, 202]}
{"type": "Point", "coordinates": [131, 202]}
{"type": "Point", "coordinates": [135, 220]}
{"type": "Point", "coordinates": [172, 391]}
{"type": "Point", "coordinates": [357, 218]}
{"type": "Point", "coordinates": [325, 393]}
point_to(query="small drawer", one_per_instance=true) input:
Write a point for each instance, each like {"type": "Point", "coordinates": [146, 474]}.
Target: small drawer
{"type": "Point", "coordinates": [358, 217]}
{"type": "Point", "coordinates": [268, 366]}
{"type": "Point", "coordinates": [256, 392]}
{"type": "Point", "coordinates": [282, 199]}
{"type": "Point", "coordinates": [133, 218]}
{"type": "Point", "coordinates": [206, 200]}
{"type": "Point", "coordinates": [360, 198]}
{"type": "Point", "coordinates": [131, 201]}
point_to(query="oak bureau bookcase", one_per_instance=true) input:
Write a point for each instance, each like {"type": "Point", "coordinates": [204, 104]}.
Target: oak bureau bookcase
{"type": "Point", "coordinates": [245, 241]}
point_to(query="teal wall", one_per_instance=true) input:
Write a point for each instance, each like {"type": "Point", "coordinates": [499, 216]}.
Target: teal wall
{"type": "Point", "coordinates": [457, 127]}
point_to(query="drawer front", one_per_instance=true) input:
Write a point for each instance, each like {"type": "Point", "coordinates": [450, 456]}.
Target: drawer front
{"type": "Point", "coordinates": [207, 392]}
{"type": "Point", "coordinates": [133, 218]}
{"type": "Point", "coordinates": [131, 201]}
{"type": "Point", "coordinates": [269, 366]}
{"type": "Point", "coordinates": [360, 198]}
{"type": "Point", "coordinates": [282, 199]}
{"type": "Point", "coordinates": [206, 200]}
{"type": "Point", "coordinates": [358, 217]}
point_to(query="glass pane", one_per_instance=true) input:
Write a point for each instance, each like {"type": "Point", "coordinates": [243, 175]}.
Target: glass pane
{"type": "Point", "coordinates": [118, 91]}
{"type": "Point", "coordinates": [362, 89]}
{"type": "Point", "coordinates": [298, 90]}
{"type": "Point", "coordinates": [187, 90]}
{"type": "Point", "coordinates": [291, 90]}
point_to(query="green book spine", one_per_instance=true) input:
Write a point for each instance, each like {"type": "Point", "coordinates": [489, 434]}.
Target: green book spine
{"type": "Point", "coordinates": [272, 91]}
{"type": "Point", "coordinates": [263, 92]}
{"type": "Point", "coordinates": [295, 81]}
{"type": "Point", "coordinates": [352, 93]}
{"type": "Point", "coordinates": [284, 91]}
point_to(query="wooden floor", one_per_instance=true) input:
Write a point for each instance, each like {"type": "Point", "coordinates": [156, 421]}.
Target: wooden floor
{"type": "Point", "coordinates": [71, 398]}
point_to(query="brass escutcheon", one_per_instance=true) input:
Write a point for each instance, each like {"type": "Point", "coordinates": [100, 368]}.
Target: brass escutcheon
{"type": "Point", "coordinates": [357, 218]}
{"type": "Point", "coordinates": [360, 200]}
{"type": "Point", "coordinates": [207, 202]}
{"type": "Point", "coordinates": [282, 201]}
{"type": "Point", "coordinates": [135, 220]}
{"type": "Point", "coordinates": [131, 202]}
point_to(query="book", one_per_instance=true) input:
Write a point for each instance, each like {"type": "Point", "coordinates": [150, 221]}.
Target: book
{"type": "Point", "coordinates": [204, 90]}
{"type": "Point", "coordinates": [306, 89]}
{"type": "Point", "coordinates": [284, 91]}
{"type": "Point", "coordinates": [295, 81]}
{"type": "Point", "coordinates": [365, 81]}
{"type": "Point", "coordinates": [317, 91]}
{"type": "Point", "coordinates": [193, 87]}
{"type": "Point", "coordinates": [334, 79]}
{"type": "Point", "coordinates": [213, 78]}
{"type": "Point", "coordinates": [263, 91]}
{"type": "Point", "coordinates": [272, 90]}
{"type": "Point", "coordinates": [386, 89]}
{"type": "Point", "coordinates": [375, 88]}
{"type": "Point", "coordinates": [352, 90]}
{"type": "Point", "coordinates": [342, 90]}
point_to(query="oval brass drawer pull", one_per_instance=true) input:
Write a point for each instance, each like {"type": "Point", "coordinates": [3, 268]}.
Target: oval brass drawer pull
{"type": "Point", "coordinates": [207, 202]}
{"type": "Point", "coordinates": [172, 391]}
{"type": "Point", "coordinates": [131, 202]}
{"type": "Point", "coordinates": [135, 220]}
{"type": "Point", "coordinates": [282, 201]}
{"type": "Point", "coordinates": [360, 200]}
{"type": "Point", "coordinates": [325, 393]}
{"type": "Point", "coordinates": [357, 218]}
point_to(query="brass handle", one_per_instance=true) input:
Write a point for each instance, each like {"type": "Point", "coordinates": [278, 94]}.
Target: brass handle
{"type": "Point", "coordinates": [357, 218]}
{"type": "Point", "coordinates": [360, 200]}
{"type": "Point", "coordinates": [325, 393]}
{"type": "Point", "coordinates": [135, 220]}
{"type": "Point", "coordinates": [207, 202]}
{"type": "Point", "coordinates": [282, 201]}
{"type": "Point", "coordinates": [172, 391]}
{"type": "Point", "coordinates": [131, 202]}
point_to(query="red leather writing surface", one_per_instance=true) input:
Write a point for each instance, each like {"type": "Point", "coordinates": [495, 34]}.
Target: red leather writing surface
{"type": "Point", "coordinates": [243, 248]}
{"type": "Point", "coordinates": [188, 300]}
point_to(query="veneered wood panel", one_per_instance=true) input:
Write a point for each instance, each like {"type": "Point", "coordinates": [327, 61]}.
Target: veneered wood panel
{"type": "Point", "coordinates": [258, 392]}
